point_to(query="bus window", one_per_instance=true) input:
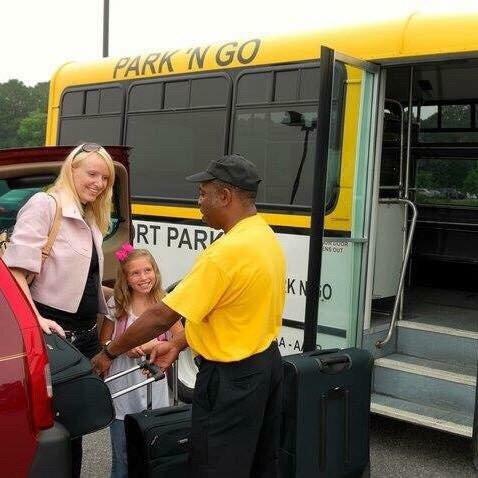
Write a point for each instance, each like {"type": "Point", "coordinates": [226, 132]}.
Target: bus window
{"type": "Point", "coordinates": [254, 88]}
{"type": "Point", "coordinates": [456, 116]}
{"type": "Point", "coordinates": [93, 114]}
{"type": "Point", "coordinates": [448, 123]}
{"type": "Point", "coordinates": [275, 140]}
{"type": "Point", "coordinates": [442, 181]}
{"type": "Point", "coordinates": [209, 92]}
{"type": "Point", "coordinates": [73, 103]}
{"type": "Point", "coordinates": [111, 101]}
{"type": "Point", "coordinates": [171, 142]}
{"type": "Point", "coordinates": [309, 84]}
{"type": "Point", "coordinates": [286, 85]}
{"type": "Point", "coordinates": [275, 126]}
{"type": "Point", "coordinates": [429, 116]}
{"type": "Point", "coordinates": [92, 103]}
{"type": "Point", "coordinates": [146, 97]}
{"type": "Point", "coordinates": [176, 95]}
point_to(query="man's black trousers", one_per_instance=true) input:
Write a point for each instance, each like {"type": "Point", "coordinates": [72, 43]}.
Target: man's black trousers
{"type": "Point", "coordinates": [236, 417]}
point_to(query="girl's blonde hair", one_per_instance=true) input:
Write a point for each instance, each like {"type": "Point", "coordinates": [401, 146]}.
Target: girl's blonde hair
{"type": "Point", "coordinates": [122, 291]}
{"type": "Point", "coordinates": [100, 209]}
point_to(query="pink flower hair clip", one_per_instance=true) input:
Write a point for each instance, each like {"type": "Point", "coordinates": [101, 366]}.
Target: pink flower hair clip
{"type": "Point", "coordinates": [123, 252]}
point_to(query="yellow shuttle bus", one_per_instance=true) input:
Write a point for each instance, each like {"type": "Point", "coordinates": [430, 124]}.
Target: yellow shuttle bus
{"type": "Point", "coordinates": [398, 115]}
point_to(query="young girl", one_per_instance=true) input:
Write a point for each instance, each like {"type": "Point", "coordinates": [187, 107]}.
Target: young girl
{"type": "Point", "coordinates": [138, 287]}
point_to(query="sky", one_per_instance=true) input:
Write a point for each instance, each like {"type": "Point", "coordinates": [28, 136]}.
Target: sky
{"type": "Point", "coordinates": [37, 36]}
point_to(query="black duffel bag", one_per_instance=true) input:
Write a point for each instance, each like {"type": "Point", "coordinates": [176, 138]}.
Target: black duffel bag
{"type": "Point", "coordinates": [81, 400]}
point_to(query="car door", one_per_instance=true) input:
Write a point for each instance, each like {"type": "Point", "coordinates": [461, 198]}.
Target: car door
{"type": "Point", "coordinates": [25, 171]}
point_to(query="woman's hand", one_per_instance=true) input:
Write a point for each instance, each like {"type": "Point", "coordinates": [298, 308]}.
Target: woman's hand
{"type": "Point", "coordinates": [48, 326]}
{"type": "Point", "coordinates": [137, 352]}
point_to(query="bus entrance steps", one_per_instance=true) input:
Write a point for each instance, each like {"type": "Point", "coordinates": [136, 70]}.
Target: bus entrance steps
{"type": "Point", "coordinates": [429, 379]}
{"type": "Point", "coordinates": [424, 415]}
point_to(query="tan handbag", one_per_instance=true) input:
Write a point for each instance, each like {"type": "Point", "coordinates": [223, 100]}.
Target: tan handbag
{"type": "Point", "coordinates": [46, 249]}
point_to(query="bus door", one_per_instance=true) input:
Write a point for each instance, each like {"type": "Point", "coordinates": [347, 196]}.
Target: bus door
{"type": "Point", "coordinates": [335, 304]}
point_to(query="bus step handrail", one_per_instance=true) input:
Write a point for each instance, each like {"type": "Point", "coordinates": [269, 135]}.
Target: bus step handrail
{"type": "Point", "coordinates": [381, 343]}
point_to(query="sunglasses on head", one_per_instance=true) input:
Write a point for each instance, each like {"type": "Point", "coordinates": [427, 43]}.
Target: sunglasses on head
{"type": "Point", "coordinates": [88, 148]}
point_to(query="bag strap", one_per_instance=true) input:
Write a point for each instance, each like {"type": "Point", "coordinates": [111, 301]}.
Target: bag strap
{"type": "Point", "coordinates": [55, 227]}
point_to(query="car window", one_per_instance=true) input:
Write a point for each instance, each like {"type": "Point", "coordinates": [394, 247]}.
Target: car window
{"type": "Point", "coordinates": [115, 208]}
{"type": "Point", "coordinates": [12, 199]}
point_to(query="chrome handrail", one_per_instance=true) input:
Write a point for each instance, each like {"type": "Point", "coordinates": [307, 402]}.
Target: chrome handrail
{"type": "Point", "coordinates": [381, 343]}
{"type": "Point", "coordinates": [402, 122]}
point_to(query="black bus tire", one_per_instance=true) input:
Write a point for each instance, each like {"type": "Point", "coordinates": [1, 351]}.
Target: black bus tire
{"type": "Point", "coordinates": [185, 393]}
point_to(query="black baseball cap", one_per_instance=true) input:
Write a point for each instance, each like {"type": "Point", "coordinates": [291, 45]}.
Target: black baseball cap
{"type": "Point", "coordinates": [232, 169]}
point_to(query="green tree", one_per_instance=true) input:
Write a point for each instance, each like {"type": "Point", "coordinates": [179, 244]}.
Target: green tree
{"type": "Point", "coordinates": [425, 179]}
{"type": "Point", "coordinates": [470, 184]}
{"type": "Point", "coordinates": [31, 131]}
{"type": "Point", "coordinates": [39, 95]}
{"type": "Point", "coordinates": [17, 102]}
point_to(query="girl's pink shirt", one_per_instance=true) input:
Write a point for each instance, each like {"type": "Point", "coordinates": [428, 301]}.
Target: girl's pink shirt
{"type": "Point", "coordinates": [62, 277]}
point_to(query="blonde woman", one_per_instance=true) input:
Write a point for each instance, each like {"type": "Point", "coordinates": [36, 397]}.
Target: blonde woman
{"type": "Point", "coordinates": [66, 293]}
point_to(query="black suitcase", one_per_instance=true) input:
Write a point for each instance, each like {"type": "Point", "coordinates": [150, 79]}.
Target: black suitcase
{"type": "Point", "coordinates": [326, 414]}
{"type": "Point", "coordinates": [158, 442]}
{"type": "Point", "coordinates": [81, 400]}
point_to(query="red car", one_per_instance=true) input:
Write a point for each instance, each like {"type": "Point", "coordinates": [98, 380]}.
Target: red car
{"type": "Point", "coordinates": [32, 444]}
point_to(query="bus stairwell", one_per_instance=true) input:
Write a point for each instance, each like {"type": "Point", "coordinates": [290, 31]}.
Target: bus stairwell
{"type": "Point", "coordinates": [425, 342]}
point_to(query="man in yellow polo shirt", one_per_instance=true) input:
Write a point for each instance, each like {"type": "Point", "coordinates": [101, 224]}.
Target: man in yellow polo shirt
{"type": "Point", "coordinates": [232, 300]}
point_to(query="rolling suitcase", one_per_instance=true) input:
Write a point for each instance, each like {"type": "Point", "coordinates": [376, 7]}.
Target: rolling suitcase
{"type": "Point", "coordinates": [81, 400]}
{"type": "Point", "coordinates": [325, 427]}
{"type": "Point", "coordinates": [157, 440]}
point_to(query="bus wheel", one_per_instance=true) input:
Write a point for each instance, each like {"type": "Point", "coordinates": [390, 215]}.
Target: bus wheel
{"type": "Point", "coordinates": [187, 371]}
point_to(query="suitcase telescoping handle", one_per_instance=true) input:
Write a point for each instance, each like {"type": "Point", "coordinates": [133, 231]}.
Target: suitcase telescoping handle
{"type": "Point", "coordinates": [155, 375]}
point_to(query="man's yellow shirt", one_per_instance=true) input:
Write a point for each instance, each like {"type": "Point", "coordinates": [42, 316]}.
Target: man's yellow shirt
{"type": "Point", "coordinates": [233, 297]}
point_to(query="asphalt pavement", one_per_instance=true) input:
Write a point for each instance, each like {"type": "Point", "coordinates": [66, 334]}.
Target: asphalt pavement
{"type": "Point", "coordinates": [398, 450]}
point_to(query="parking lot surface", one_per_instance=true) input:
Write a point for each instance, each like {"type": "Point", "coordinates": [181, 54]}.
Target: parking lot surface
{"type": "Point", "coordinates": [398, 450]}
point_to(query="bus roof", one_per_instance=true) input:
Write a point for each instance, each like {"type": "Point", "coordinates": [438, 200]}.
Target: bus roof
{"type": "Point", "coordinates": [417, 35]}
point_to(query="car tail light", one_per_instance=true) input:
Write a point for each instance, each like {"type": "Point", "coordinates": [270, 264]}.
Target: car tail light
{"type": "Point", "coordinates": [37, 368]}
{"type": "Point", "coordinates": [39, 383]}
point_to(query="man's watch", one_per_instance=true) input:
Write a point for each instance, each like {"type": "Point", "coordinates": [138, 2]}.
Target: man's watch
{"type": "Point", "coordinates": [107, 352]}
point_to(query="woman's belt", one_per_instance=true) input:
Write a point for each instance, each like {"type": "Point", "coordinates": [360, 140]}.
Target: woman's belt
{"type": "Point", "coordinates": [72, 335]}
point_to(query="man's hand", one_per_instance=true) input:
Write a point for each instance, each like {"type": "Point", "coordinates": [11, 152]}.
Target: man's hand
{"type": "Point", "coordinates": [164, 354]}
{"type": "Point", "coordinates": [101, 364]}
{"type": "Point", "coordinates": [137, 352]}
